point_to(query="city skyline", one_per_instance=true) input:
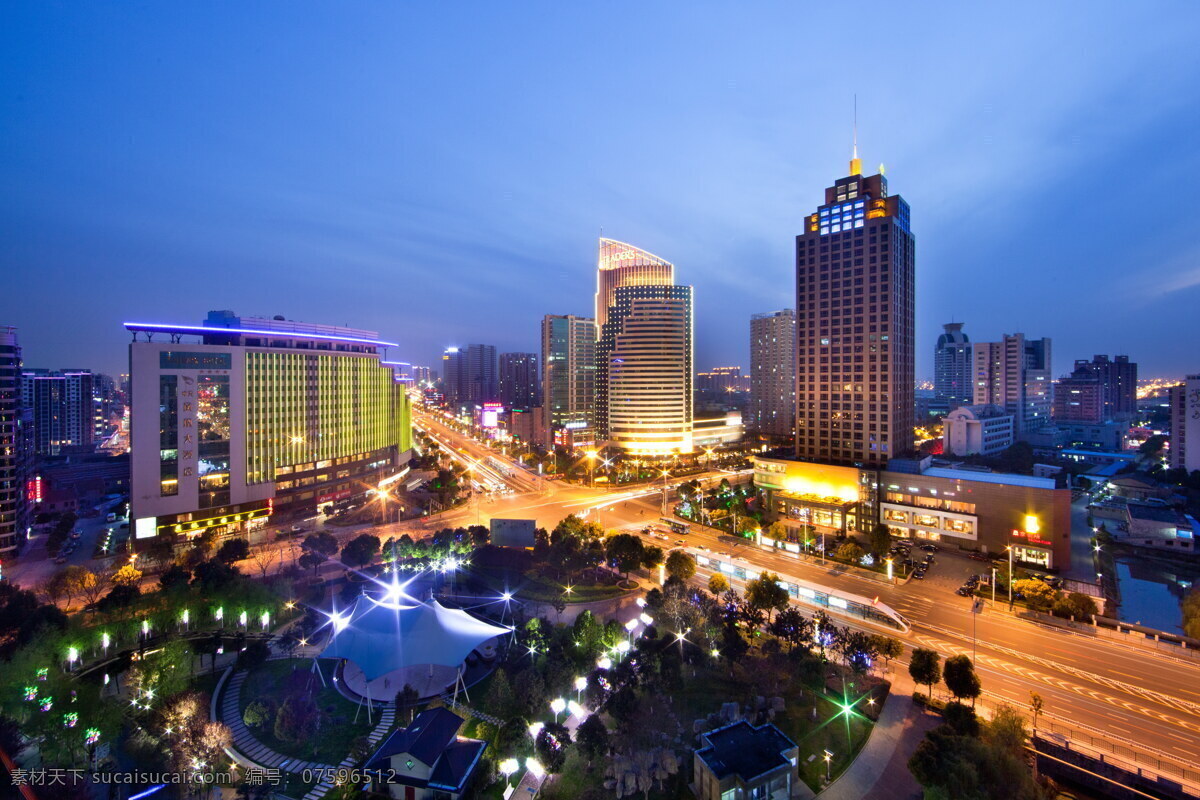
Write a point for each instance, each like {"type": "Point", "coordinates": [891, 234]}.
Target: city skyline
{"type": "Point", "coordinates": [231, 188]}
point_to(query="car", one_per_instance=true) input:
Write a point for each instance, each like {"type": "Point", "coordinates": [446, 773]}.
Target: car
{"type": "Point", "coordinates": [929, 548]}
{"type": "Point", "coordinates": [919, 574]}
{"type": "Point", "coordinates": [1053, 580]}
{"type": "Point", "coordinates": [76, 534]}
{"type": "Point", "coordinates": [298, 529]}
{"type": "Point", "coordinates": [680, 542]}
{"type": "Point", "coordinates": [965, 591]}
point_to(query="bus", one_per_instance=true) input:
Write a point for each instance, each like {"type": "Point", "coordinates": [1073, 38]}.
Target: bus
{"type": "Point", "coordinates": [677, 527]}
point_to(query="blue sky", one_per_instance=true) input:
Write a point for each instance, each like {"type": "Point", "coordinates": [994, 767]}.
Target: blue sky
{"type": "Point", "coordinates": [440, 172]}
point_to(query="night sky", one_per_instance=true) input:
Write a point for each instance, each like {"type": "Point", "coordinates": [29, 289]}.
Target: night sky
{"type": "Point", "coordinates": [441, 172]}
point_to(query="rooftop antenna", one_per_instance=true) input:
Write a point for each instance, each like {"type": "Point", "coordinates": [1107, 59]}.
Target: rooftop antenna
{"type": "Point", "coordinates": [855, 162]}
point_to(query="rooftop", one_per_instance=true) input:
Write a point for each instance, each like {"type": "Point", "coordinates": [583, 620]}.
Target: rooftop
{"type": "Point", "coordinates": [1006, 478]}
{"type": "Point", "coordinates": [743, 750]}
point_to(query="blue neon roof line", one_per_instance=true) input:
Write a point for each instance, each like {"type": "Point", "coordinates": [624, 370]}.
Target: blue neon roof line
{"type": "Point", "coordinates": [280, 334]}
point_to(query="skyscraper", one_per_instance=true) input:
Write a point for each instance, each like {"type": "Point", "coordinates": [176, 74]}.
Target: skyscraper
{"type": "Point", "coordinates": [1117, 381]}
{"type": "Point", "coordinates": [1185, 424]}
{"type": "Point", "coordinates": [721, 381]}
{"type": "Point", "coordinates": [619, 264]}
{"type": "Point", "coordinates": [773, 373]}
{"type": "Point", "coordinates": [648, 343]}
{"type": "Point", "coordinates": [254, 417]}
{"type": "Point", "coordinates": [519, 384]}
{"type": "Point", "coordinates": [63, 408]}
{"type": "Point", "coordinates": [14, 445]}
{"type": "Point", "coordinates": [953, 366]}
{"type": "Point", "coordinates": [568, 379]}
{"type": "Point", "coordinates": [1014, 373]}
{"type": "Point", "coordinates": [854, 325]}
{"type": "Point", "coordinates": [470, 375]}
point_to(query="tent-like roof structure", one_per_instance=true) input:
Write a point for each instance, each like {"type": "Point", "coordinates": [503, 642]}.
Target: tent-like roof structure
{"type": "Point", "coordinates": [382, 636]}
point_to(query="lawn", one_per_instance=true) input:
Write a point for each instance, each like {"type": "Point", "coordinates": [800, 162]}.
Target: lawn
{"type": "Point", "coordinates": [338, 728]}
{"type": "Point", "coordinates": [537, 589]}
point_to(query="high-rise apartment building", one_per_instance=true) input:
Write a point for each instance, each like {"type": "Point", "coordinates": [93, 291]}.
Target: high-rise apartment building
{"type": "Point", "coordinates": [647, 341]}
{"type": "Point", "coordinates": [953, 367]}
{"type": "Point", "coordinates": [241, 418]}
{"type": "Point", "coordinates": [470, 376]}
{"type": "Point", "coordinates": [1117, 381]}
{"type": "Point", "coordinates": [721, 380]}
{"type": "Point", "coordinates": [568, 380]}
{"type": "Point", "coordinates": [423, 375]}
{"type": "Point", "coordinates": [1185, 425]}
{"type": "Point", "coordinates": [519, 380]}
{"type": "Point", "coordinates": [63, 408]}
{"type": "Point", "coordinates": [854, 325]}
{"type": "Point", "coordinates": [14, 446]}
{"type": "Point", "coordinates": [1014, 373]}
{"type": "Point", "coordinates": [773, 373]}
{"type": "Point", "coordinates": [1077, 398]}
{"type": "Point", "coordinates": [106, 407]}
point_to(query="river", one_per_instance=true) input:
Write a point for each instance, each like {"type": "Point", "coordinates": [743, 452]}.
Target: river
{"type": "Point", "coordinates": [1151, 590]}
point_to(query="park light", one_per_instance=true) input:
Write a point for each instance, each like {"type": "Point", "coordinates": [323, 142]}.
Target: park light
{"type": "Point", "coordinates": [105, 641]}
{"type": "Point", "coordinates": [557, 705]}
{"type": "Point", "coordinates": [535, 728]}
{"type": "Point", "coordinates": [506, 596]}
{"type": "Point", "coordinates": [289, 605]}
{"type": "Point", "coordinates": [646, 619]}
{"type": "Point", "coordinates": [508, 766]}
{"type": "Point", "coordinates": [219, 614]}
{"type": "Point", "coordinates": [242, 619]}
{"type": "Point", "coordinates": [871, 701]}
{"type": "Point", "coordinates": [265, 618]}
{"type": "Point", "coordinates": [184, 617]}
{"type": "Point", "coordinates": [580, 683]}
{"type": "Point", "coordinates": [145, 627]}
{"type": "Point", "coordinates": [575, 709]}
{"type": "Point", "coordinates": [631, 625]}
{"type": "Point", "coordinates": [568, 589]}
{"type": "Point", "coordinates": [622, 647]}
{"type": "Point", "coordinates": [535, 766]}
{"type": "Point", "coordinates": [604, 662]}
{"type": "Point", "coordinates": [72, 655]}
{"type": "Point", "coordinates": [338, 622]}
{"type": "Point", "coordinates": [641, 601]}
{"type": "Point", "coordinates": [715, 653]}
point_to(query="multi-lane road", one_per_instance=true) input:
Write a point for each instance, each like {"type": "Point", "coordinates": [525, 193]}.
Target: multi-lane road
{"type": "Point", "coordinates": [1129, 695]}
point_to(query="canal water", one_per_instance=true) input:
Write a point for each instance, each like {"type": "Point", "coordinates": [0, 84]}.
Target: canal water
{"type": "Point", "coordinates": [1152, 589]}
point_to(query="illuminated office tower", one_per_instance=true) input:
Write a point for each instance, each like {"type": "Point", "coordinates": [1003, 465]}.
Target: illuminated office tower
{"type": "Point", "coordinates": [568, 380]}
{"type": "Point", "coordinates": [470, 376]}
{"type": "Point", "coordinates": [619, 264]}
{"type": "Point", "coordinates": [63, 408]}
{"type": "Point", "coordinates": [773, 373]}
{"type": "Point", "coordinates": [1014, 373]}
{"type": "Point", "coordinates": [519, 380]}
{"type": "Point", "coordinates": [953, 367]}
{"type": "Point", "coordinates": [241, 418]}
{"type": "Point", "coordinates": [854, 325]}
{"type": "Point", "coordinates": [648, 345]}
{"type": "Point", "coordinates": [15, 444]}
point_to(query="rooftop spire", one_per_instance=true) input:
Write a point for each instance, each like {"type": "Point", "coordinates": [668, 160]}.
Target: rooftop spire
{"type": "Point", "coordinates": [855, 162]}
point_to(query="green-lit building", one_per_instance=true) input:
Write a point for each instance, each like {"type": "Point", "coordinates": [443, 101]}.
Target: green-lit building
{"type": "Point", "coordinates": [241, 419]}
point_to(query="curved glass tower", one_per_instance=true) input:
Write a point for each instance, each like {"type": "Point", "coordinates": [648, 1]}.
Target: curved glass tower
{"type": "Point", "coordinates": [622, 264]}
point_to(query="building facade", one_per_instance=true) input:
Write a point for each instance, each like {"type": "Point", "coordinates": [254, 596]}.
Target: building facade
{"type": "Point", "coordinates": [1116, 378]}
{"type": "Point", "coordinates": [773, 373]}
{"type": "Point", "coordinates": [15, 444]}
{"type": "Point", "coordinates": [469, 376]}
{"type": "Point", "coordinates": [1185, 424]}
{"type": "Point", "coordinates": [985, 430]}
{"type": "Point", "coordinates": [246, 419]}
{"type": "Point", "coordinates": [721, 380]}
{"type": "Point", "coordinates": [744, 762]}
{"type": "Point", "coordinates": [1077, 398]}
{"type": "Point", "coordinates": [974, 510]}
{"type": "Point", "coordinates": [953, 367]}
{"type": "Point", "coordinates": [63, 408]}
{"type": "Point", "coordinates": [568, 379]}
{"type": "Point", "coordinates": [855, 326]}
{"type": "Point", "coordinates": [647, 344]}
{"type": "Point", "coordinates": [519, 380]}
{"type": "Point", "coordinates": [1014, 373]}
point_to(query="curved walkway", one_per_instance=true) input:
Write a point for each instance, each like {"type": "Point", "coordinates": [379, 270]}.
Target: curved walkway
{"type": "Point", "coordinates": [880, 771]}
{"type": "Point", "coordinates": [248, 751]}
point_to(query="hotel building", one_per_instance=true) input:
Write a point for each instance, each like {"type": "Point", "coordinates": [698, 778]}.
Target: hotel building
{"type": "Point", "coordinates": [854, 325]}
{"type": "Point", "coordinates": [15, 443]}
{"type": "Point", "coordinates": [568, 381]}
{"type": "Point", "coordinates": [241, 418]}
{"type": "Point", "coordinates": [1014, 373]}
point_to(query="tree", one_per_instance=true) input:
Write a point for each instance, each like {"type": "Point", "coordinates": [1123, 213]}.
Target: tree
{"type": "Point", "coordinates": [311, 559]}
{"type": "Point", "coordinates": [791, 626]}
{"type": "Point", "coordinates": [591, 737]}
{"type": "Point", "coordinates": [60, 585]}
{"type": "Point", "coordinates": [255, 655]}
{"type": "Point", "coordinates": [360, 550]}
{"type": "Point", "coordinates": [297, 718]}
{"type": "Point", "coordinates": [1075, 604]}
{"type": "Point", "coordinates": [1007, 729]}
{"type": "Point", "coordinates": [324, 543]}
{"type": "Point", "coordinates": [174, 578]}
{"type": "Point", "coordinates": [625, 552]}
{"type": "Point", "coordinates": [560, 604]}
{"type": "Point", "coordinates": [652, 556]}
{"type": "Point", "coordinates": [718, 584]}
{"type": "Point", "coordinates": [681, 565]}
{"type": "Point", "coordinates": [159, 550]}
{"type": "Point", "coordinates": [551, 746]}
{"type": "Point", "coordinates": [128, 575]}
{"type": "Point", "coordinates": [257, 713]}
{"type": "Point", "coordinates": [961, 678]}
{"type": "Point", "coordinates": [1039, 595]}
{"type": "Point", "coordinates": [777, 531]}
{"type": "Point", "coordinates": [263, 557]}
{"type": "Point", "coordinates": [214, 575]}
{"type": "Point", "coordinates": [850, 551]}
{"type": "Point", "coordinates": [1036, 704]}
{"type": "Point", "coordinates": [92, 586]}
{"type": "Point", "coordinates": [765, 594]}
{"type": "Point", "coordinates": [961, 718]}
{"type": "Point", "coordinates": [888, 648]}
{"type": "Point", "coordinates": [233, 550]}
{"type": "Point", "coordinates": [120, 597]}
{"type": "Point", "coordinates": [880, 540]}
{"type": "Point", "coordinates": [925, 668]}
{"type": "Point", "coordinates": [407, 698]}
{"type": "Point", "coordinates": [445, 484]}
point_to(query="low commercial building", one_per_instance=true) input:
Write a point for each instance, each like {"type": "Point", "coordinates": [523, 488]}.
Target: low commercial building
{"type": "Point", "coordinates": [241, 418]}
{"type": "Point", "coordinates": [742, 762]}
{"type": "Point", "coordinates": [985, 430]}
{"type": "Point", "coordinates": [716, 431]}
{"type": "Point", "coordinates": [973, 509]}
{"type": "Point", "coordinates": [1158, 527]}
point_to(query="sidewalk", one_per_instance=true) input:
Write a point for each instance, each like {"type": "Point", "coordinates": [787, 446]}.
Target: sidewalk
{"type": "Point", "coordinates": [880, 771]}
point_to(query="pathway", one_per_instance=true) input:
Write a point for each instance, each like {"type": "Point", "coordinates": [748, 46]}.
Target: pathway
{"type": "Point", "coordinates": [880, 771]}
{"type": "Point", "coordinates": [248, 751]}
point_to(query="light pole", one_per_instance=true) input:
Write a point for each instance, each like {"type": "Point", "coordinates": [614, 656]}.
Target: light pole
{"type": "Point", "coordinates": [591, 457]}
{"type": "Point", "coordinates": [993, 586]}
{"type": "Point", "coordinates": [664, 492]}
{"type": "Point", "coordinates": [1010, 576]}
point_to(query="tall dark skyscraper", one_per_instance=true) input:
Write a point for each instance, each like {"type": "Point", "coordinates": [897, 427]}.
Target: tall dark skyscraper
{"type": "Point", "coordinates": [854, 325]}
{"type": "Point", "coordinates": [569, 378]}
{"type": "Point", "coordinates": [1117, 380]}
{"type": "Point", "coordinates": [773, 373]}
{"type": "Point", "coordinates": [469, 375]}
{"type": "Point", "coordinates": [519, 384]}
{"type": "Point", "coordinates": [63, 408]}
{"type": "Point", "coordinates": [953, 367]}
{"type": "Point", "coordinates": [14, 445]}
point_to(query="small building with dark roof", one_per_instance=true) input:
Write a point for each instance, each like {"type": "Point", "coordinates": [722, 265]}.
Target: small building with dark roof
{"type": "Point", "coordinates": [747, 763]}
{"type": "Point", "coordinates": [428, 760]}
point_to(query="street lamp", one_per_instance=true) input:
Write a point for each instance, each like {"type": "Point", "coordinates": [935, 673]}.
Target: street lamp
{"type": "Point", "coordinates": [557, 705]}
{"type": "Point", "coordinates": [508, 766]}
{"type": "Point", "coordinates": [591, 457]}
{"type": "Point", "coordinates": [535, 728]}
{"type": "Point", "coordinates": [1010, 575]}
{"type": "Point", "coordinates": [828, 758]}
{"type": "Point", "coordinates": [580, 685]}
